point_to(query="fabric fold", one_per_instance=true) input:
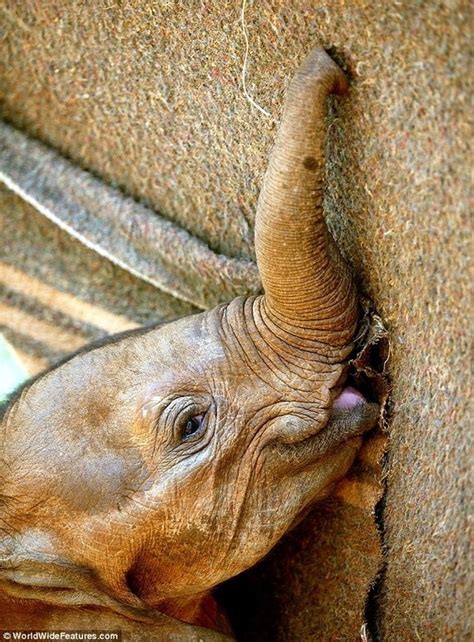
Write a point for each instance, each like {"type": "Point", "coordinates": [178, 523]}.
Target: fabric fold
{"type": "Point", "coordinates": [119, 228]}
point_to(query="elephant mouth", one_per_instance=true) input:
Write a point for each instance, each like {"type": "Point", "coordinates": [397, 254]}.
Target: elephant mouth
{"type": "Point", "coordinates": [349, 398]}
{"type": "Point", "coordinates": [351, 416]}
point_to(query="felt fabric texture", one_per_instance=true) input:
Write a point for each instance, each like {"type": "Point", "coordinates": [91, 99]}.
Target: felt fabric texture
{"type": "Point", "coordinates": [120, 229]}
{"type": "Point", "coordinates": [148, 96]}
{"type": "Point", "coordinates": [56, 295]}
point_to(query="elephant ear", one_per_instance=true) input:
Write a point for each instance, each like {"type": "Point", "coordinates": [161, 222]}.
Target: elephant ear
{"type": "Point", "coordinates": [57, 582]}
{"type": "Point", "coordinates": [308, 287]}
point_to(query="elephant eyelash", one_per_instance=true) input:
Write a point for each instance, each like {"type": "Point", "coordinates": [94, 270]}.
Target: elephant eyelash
{"type": "Point", "coordinates": [192, 427]}
{"type": "Point", "coordinates": [183, 423]}
{"type": "Point", "coordinates": [190, 422]}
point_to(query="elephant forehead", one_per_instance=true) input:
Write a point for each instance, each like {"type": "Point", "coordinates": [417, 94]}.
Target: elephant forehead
{"type": "Point", "coordinates": [190, 340]}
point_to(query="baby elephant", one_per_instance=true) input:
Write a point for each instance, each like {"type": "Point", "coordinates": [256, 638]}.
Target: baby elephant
{"type": "Point", "coordinates": [140, 473]}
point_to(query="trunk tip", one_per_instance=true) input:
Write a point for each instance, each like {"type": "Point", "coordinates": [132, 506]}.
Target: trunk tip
{"type": "Point", "coordinates": [319, 66]}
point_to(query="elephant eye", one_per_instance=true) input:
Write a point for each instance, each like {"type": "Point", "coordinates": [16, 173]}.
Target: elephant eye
{"type": "Point", "coordinates": [192, 426]}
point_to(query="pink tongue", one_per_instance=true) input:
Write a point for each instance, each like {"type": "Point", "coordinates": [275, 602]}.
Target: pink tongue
{"type": "Point", "coordinates": [349, 398]}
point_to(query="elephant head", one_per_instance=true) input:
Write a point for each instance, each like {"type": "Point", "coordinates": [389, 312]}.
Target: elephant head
{"type": "Point", "coordinates": [144, 471]}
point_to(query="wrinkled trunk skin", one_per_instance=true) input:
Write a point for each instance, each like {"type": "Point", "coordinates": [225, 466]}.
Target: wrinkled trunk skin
{"type": "Point", "coordinates": [309, 290]}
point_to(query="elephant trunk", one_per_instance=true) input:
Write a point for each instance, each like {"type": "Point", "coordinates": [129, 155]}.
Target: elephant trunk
{"type": "Point", "coordinates": [308, 286]}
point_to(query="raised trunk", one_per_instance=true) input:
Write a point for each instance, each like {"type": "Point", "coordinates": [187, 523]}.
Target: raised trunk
{"type": "Point", "coordinates": [308, 287]}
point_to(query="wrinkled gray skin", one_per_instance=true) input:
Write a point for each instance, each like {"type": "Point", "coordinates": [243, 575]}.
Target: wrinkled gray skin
{"type": "Point", "coordinates": [140, 474]}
